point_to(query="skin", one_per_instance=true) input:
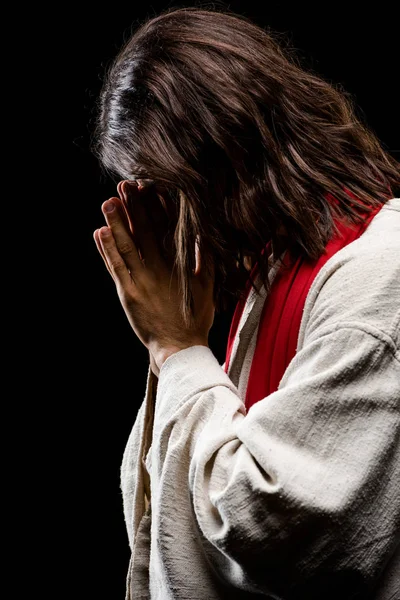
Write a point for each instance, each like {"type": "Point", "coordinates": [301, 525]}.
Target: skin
{"type": "Point", "coordinates": [145, 282]}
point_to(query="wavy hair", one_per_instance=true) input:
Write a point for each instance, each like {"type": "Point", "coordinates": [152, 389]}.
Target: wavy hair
{"type": "Point", "coordinates": [244, 144]}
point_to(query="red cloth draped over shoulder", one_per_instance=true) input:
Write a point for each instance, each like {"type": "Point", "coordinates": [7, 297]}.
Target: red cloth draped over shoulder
{"type": "Point", "coordinates": [282, 312]}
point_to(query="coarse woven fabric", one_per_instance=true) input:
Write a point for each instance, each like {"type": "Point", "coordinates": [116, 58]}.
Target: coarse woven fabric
{"type": "Point", "coordinates": [300, 498]}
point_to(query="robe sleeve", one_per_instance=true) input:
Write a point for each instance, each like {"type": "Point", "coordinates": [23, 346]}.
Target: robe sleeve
{"type": "Point", "coordinates": [302, 493]}
{"type": "Point", "coordinates": [135, 483]}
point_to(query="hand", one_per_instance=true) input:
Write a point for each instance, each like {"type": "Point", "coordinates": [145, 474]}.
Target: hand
{"type": "Point", "coordinates": [153, 365]}
{"type": "Point", "coordinates": [146, 283]}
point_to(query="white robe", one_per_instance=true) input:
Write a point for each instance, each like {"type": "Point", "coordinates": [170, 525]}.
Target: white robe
{"type": "Point", "coordinates": [303, 491]}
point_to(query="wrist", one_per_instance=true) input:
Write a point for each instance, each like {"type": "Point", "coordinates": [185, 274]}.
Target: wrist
{"type": "Point", "coordinates": [165, 352]}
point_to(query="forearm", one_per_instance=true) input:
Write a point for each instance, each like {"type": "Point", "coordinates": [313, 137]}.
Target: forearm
{"type": "Point", "coordinates": [291, 480]}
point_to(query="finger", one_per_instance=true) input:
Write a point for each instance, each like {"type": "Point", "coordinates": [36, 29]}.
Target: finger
{"type": "Point", "coordinates": [158, 224]}
{"type": "Point", "coordinates": [124, 213]}
{"type": "Point", "coordinates": [118, 267]}
{"type": "Point", "coordinates": [116, 219]}
{"type": "Point", "coordinates": [100, 249]}
{"type": "Point", "coordinates": [133, 182]}
{"type": "Point", "coordinates": [143, 230]}
{"type": "Point", "coordinates": [119, 188]}
{"type": "Point", "coordinates": [126, 206]}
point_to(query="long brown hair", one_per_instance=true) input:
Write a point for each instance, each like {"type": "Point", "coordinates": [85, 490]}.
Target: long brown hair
{"type": "Point", "coordinates": [244, 142]}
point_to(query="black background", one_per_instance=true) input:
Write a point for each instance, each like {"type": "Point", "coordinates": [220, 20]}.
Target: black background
{"type": "Point", "coordinates": [93, 372]}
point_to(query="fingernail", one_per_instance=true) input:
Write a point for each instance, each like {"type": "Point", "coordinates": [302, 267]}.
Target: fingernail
{"type": "Point", "coordinates": [104, 232]}
{"type": "Point", "coordinates": [109, 207]}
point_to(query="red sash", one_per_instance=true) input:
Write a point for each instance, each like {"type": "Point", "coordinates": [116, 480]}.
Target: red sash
{"type": "Point", "coordinates": [282, 312]}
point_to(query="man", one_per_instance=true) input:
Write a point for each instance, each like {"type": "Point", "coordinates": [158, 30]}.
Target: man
{"type": "Point", "coordinates": [276, 474]}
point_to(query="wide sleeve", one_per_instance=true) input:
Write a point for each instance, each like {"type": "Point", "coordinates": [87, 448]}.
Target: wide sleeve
{"type": "Point", "coordinates": [134, 478]}
{"type": "Point", "coordinates": [302, 493]}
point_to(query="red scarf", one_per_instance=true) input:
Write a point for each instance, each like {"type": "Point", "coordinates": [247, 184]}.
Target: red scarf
{"type": "Point", "coordinates": [282, 312]}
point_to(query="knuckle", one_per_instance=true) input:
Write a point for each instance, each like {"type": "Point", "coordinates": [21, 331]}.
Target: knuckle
{"type": "Point", "coordinates": [117, 266]}
{"type": "Point", "coordinates": [125, 248]}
